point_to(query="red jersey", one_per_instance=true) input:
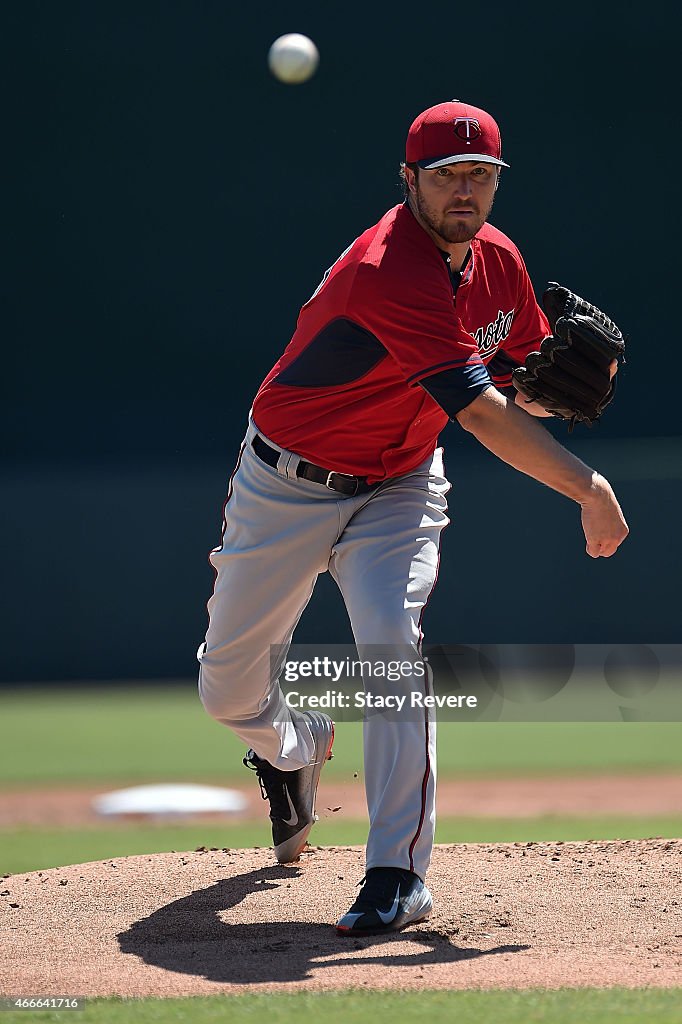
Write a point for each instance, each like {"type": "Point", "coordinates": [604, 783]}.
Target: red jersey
{"type": "Point", "coordinates": [346, 393]}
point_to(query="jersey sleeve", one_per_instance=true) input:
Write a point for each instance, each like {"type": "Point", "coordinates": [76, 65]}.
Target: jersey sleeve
{"type": "Point", "coordinates": [445, 387]}
{"type": "Point", "coordinates": [415, 320]}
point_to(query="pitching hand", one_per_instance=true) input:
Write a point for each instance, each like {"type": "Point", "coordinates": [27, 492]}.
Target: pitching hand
{"type": "Point", "coordinates": [603, 522]}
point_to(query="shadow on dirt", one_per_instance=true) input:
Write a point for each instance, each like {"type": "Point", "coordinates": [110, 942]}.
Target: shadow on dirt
{"type": "Point", "coordinates": [189, 937]}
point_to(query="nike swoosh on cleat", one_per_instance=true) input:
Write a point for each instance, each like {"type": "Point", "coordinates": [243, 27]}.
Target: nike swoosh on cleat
{"type": "Point", "coordinates": [293, 820]}
{"type": "Point", "coordinates": [390, 914]}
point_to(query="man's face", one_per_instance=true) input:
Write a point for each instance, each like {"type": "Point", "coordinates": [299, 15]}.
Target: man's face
{"type": "Point", "coordinates": [455, 201]}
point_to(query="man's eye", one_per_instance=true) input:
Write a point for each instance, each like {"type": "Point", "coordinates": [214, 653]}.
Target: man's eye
{"type": "Point", "coordinates": [480, 172]}
{"type": "Point", "coordinates": [442, 172]}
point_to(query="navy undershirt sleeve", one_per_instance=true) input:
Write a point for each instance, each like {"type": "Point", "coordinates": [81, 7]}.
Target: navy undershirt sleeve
{"type": "Point", "coordinates": [456, 388]}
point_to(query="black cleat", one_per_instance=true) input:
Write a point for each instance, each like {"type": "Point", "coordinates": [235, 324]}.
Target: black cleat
{"type": "Point", "coordinates": [292, 794]}
{"type": "Point", "coordinates": [390, 899]}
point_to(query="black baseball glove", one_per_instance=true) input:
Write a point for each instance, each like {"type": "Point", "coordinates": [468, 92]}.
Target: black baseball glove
{"type": "Point", "coordinates": [570, 375]}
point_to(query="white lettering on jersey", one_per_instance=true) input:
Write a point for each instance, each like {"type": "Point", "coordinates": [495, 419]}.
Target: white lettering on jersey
{"type": "Point", "coordinates": [491, 337]}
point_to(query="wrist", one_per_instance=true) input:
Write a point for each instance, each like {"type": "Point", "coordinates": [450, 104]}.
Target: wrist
{"type": "Point", "coordinates": [532, 408]}
{"type": "Point", "coordinates": [596, 489]}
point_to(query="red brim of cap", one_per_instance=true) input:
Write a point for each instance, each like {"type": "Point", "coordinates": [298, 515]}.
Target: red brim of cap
{"type": "Point", "coordinates": [460, 158]}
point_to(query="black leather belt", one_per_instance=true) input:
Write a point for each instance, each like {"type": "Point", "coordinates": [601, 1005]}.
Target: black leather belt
{"type": "Point", "coordinates": [343, 482]}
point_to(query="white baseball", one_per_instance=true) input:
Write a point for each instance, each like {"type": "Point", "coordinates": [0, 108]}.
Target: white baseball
{"type": "Point", "coordinates": [293, 58]}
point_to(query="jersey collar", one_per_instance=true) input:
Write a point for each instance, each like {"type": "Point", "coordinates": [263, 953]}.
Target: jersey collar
{"type": "Point", "coordinates": [463, 276]}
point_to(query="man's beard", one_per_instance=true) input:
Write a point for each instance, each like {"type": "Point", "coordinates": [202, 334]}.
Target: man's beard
{"type": "Point", "coordinates": [447, 227]}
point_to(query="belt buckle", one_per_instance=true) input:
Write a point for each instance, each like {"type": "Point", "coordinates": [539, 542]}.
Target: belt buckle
{"type": "Point", "coordinates": [348, 476]}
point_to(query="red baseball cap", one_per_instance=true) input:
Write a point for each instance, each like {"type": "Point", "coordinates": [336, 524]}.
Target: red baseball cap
{"type": "Point", "coordinates": [451, 133]}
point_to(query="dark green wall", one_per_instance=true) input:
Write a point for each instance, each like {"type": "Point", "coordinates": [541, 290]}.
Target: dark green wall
{"type": "Point", "coordinates": [173, 206]}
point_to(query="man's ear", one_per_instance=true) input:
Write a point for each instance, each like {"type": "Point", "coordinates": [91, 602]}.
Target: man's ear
{"type": "Point", "coordinates": [497, 180]}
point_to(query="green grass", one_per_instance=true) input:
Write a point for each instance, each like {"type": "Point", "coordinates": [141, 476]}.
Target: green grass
{"type": "Point", "coordinates": [32, 849]}
{"type": "Point", "coordinates": [145, 733]}
{"type": "Point", "coordinates": [563, 1006]}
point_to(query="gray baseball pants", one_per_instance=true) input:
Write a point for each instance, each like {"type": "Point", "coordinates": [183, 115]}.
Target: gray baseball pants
{"type": "Point", "coordinates": [382, 549]}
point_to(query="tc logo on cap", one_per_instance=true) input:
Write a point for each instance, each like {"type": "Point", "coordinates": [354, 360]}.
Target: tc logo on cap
{"type": "Point", "coordinates": [467, 129]}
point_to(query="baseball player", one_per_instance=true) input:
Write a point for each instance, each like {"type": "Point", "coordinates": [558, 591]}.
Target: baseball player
{"type": "Point", "coordinates": [423, 319]}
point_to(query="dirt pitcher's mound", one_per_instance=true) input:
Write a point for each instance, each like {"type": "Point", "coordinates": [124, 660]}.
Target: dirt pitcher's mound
{"type": "Point", "coordinates": [505, 916]}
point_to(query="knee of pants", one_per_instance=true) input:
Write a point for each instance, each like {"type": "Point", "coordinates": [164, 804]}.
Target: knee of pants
{"type": "Point", "coordinates": [382, 628]}
{"type": "Point", "coordinates": [226, 693]}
